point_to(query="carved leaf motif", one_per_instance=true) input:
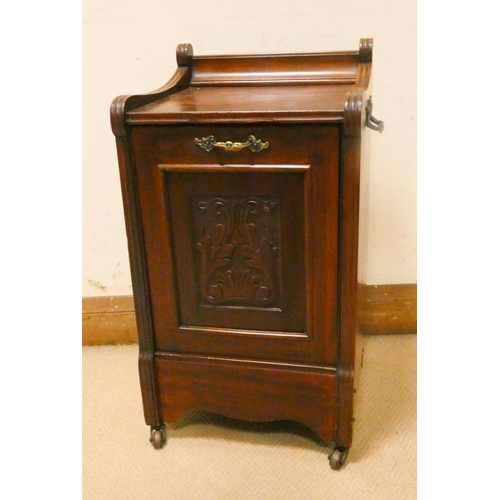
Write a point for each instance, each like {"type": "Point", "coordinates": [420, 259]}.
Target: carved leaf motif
{"type": "Point", "coordinates": [222, 256]}
{"type": "Point", "coordinates": [254, 258]}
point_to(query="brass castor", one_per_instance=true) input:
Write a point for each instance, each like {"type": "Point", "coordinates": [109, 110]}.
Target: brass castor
{"type": "Point", "coordinates": [158, 437]}
{"type": "Point", "coordinates": [338, 458]}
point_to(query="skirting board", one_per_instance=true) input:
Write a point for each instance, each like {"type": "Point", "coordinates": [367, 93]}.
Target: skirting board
{"type": "Point", "coordinates": [387, 309]}
{"type": "Point", "coordinates": [382, 309]}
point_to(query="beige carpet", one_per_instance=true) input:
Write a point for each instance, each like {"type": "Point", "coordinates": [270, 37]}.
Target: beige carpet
{"type": "Point", "coordinates": [210, 457]}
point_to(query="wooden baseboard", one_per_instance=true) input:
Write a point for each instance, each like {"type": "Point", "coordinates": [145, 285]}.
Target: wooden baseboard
{"type": "Point", "coordinates": [387, 309]}
{"type": "Point", "coordinates": [108, 320]}
{"type": "Point", "coordinates": [382, 309]}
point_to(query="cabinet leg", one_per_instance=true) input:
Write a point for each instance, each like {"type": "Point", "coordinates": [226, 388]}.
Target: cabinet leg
{"type": "Point", "coordinates": [158, 436]}
{"type": "Point", "coordinates": [338, 457]}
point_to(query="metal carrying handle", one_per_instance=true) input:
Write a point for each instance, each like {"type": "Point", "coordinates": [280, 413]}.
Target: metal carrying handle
{"type": "Point", "coordinates": [208, 143]}
{"type": "Point", "coordinates": [371, 121]}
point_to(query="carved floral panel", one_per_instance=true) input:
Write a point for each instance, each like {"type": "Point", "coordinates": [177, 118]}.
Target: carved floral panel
{"type": "Point", "coordinates": [237, 242]}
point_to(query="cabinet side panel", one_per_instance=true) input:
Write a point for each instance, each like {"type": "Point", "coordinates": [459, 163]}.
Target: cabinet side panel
{"type": "Point", "coordinates": [349, 202]}
{"type": "Point", "coordinates": [138, 266]}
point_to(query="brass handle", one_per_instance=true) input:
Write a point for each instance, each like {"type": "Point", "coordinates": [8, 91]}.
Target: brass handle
{"type": "Point", "coordinates": [371, 121]}
{"type": "Point", "coordinates": [208, 143]}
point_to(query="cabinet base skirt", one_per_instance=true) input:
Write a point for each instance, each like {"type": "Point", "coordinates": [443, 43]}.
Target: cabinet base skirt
{"type": "Point", "coordinates": [247, 390]}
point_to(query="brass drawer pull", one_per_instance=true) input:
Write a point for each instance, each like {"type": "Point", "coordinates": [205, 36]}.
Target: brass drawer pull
{"type": "Point", "coordinates": [255, 145]}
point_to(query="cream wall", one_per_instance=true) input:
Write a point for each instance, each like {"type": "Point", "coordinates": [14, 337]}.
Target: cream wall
{"type": "Point", "coordinates": [129, 47]}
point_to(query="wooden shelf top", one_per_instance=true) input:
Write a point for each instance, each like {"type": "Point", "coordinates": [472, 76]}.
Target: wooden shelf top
{"type": "Point", "coordinates": [265, 103]}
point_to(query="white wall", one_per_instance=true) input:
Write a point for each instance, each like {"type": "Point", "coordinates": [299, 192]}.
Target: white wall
{"type": "Point", "coordinates": [129, 47]}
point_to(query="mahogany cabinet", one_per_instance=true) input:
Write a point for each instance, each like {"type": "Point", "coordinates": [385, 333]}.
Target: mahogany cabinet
{"type": "Point", "coordinates": [241, 190]}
